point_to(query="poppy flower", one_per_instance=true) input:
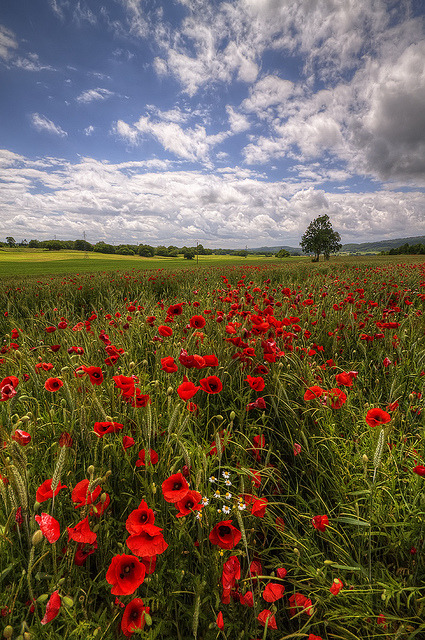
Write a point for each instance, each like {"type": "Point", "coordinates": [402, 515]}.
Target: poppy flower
{"type": "Point", "coordinates": [175, 310]}
{"type": "Point", "coordinates": [219, 621]}
{"type": "Point", "coordinates": [258, 508]}
{"type": "Point", "coordinates": [140, 399]}
{"type": "Point", "coordinates": [149, 541]}
{"type": "Point", "coordinates": [49, 527]}
{"type": "Point", "coordinates": [211, 360]}
{"type": "Point", "coordinates": [53, 384]}
{"type": "Point", "coordinates": [81, 494]}
{"type": "Point", "coordinates": [139, 517]}
{"type": "Point", "coordinates": [231, 572]}
{"type": "Point", "coordinates": [186, 389]}
{"type": "Point", "coordinates": [165, 331]}
{"type": "Point", "coordinates": [82, 532]}
{"type": "Point", "coordinates": [281, 572]}
{"type": "Point", "coordinates": [320, 522]}
{"type": "Point", "coordinates": [125, 573]}
{"type": "Point", "coordinates": [168, 364]}
{"type": "Point", "coordinates": [247, 599]}
{"type": "Point", "coordinates": [258, 404]}
{"type": "Point", "coordinates": [128, 442]}
{"type": "Point", "coordinates": [100, 507]}
{"type": "Point", "coordinates": [336, 398]}
{"type": "Point", "coordinates": [197, 322]}
{"type": "Point", "coordinates": [175, 488]}
{"type": "Point", "coordinates": [10, 380]}
{"type": "Point", "coordinates": [191, 502]}
{"type": "Point", "coordinates": [150, 564]}
{"type": "Point", "coordinates": [65, 440]}
{"type": "Point", "coordinates": [126, 384]}
{"type": "Point", "coordinates": [273, 592]}
{"type": "Point", "coordinates": [344, 379]}
{"type": "Point", "coordinates": [21, 437]}
{"type": "Point", "coordinates": [256, 383]}
{"type": "Point", "coordinates": [101, 428]}
{"type": "Point", "coordinates": [52, 608]}
{"type": "Point", "coordinates": [44, 491]}
{"type": "Point", "coordinates": [95, 374]}
{"type": "Point", "coordinates": [133, 617]}
{"type": "Point", "coordinates": [299, 601]}
{"type": "Point", "coordinates": [225, 535]}
{"type": "Point", "coordinates": [211, 384]}
{"type": "Point", "coordinates": [151, 455]}
{"type": "Point", "coordinates": [313, 392]}
{"type": "Point", "coordinates": [419, 470]}
{"type": "Point", "coordinates": [267, 616]}
{"type": "Point", "coordinates": [8, 391]}
{"type": "Point", "coordinates": [376, 417]}
{"type": "Point", "coordinates": [82, 552]}
{"type": "Point", "coordinates": [336, 586]}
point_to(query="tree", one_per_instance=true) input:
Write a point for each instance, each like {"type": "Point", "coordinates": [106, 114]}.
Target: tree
{"type": "Point", "coordinates": [321, 238]}
{"type": "Point", "coordinates": [188, 254]}
{"type": "Point", "coordinates": [283, 253]}
{"type": "Point", "coordinates": [10, 241]}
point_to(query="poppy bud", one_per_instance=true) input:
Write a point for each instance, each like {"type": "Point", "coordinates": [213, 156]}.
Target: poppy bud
{"type": "Point", "coordinates": [42, 598]}
{"type": "Point", "coordinates": [132, 365]}
{"type": "Point", "coordinates": [8, 631]}
{"type": "Point", "coordinates": [232, 416]}
{"type": "Point", "coordinates": [219, 417]}
{"type": "Point", "coordinates": [296, 551]}
{"type": "Point", "coordinates": [148, 619]}
{"type": "Point", "coordinates": [67, 601]}
{"type": "Point", "coordinates": [170, 391]}
{"type": "Point", "coordinates": [327, 562]}
{"type": "Point", "coordinates": [365, 458]}
{"type": "Point", "coordinates": [37, 537]}
{"type": "Point", "coordinates": [37, 505]}
{"type": "Point", "coordinates": [90, 470]}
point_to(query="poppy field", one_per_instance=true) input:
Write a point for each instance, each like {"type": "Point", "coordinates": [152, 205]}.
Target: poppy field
{"type": "Point", "coordinates": [214, 453]}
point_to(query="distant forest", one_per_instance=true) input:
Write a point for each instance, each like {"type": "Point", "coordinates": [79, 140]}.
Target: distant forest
{"type": "Point", "coordinates": [398, 246]}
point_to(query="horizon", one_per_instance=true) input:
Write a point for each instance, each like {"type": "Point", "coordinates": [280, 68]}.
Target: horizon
{"type": "Point", "coordinates": [228, 124]}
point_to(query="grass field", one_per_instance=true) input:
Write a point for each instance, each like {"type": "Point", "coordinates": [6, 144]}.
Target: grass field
{"type": "Point", "coordinates": [228, 451]}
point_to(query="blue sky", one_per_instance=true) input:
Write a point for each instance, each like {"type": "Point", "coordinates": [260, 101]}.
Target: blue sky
{"type": "Point", "coordinates": [225, 123]}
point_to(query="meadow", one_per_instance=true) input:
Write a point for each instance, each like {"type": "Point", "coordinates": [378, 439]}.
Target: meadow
{"type": "Point", "coordinates": [230, 450]}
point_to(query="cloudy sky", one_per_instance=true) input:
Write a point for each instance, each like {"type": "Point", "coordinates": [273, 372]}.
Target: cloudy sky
{"type": "Point", "coordinates": [228, 123]}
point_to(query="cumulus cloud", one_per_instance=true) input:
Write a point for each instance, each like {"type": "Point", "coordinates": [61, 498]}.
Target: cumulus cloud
{"type": "Point", "coordinates": [41, 123]}
{"type": "Point", "coordinates": [158, 203]}
{"type": "Point", "coordinates": [237, 121]}
{"type": "Point", "coordinates": [92, 95]}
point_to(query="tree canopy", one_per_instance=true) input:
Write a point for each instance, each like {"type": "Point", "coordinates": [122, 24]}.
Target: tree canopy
{"type": "Point", "coordinates": [319, 237]}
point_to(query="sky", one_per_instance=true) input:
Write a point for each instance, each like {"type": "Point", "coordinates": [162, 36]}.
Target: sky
{"type": "Point", "coordinates": [230, 124]}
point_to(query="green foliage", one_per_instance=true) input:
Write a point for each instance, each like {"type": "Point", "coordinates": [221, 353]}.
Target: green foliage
{"type": "Point", "coordinates": [283, 254]}
{"type": "Point", "coordinates": [319, 237]}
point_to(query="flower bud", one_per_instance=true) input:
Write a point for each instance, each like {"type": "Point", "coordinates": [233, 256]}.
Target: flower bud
{"type": "Point", "coordinates": [90, 470]}
{"type": "Point", "coordinates": [37, 538]}
{"type": "Point", "coordinates": [42, 598]}
{"type": "Point", "coordinates": [365, 458]}
{"type": "Point", "coordinates": [67, 601]}
{"type": "Point", "coordinates": [232, 416]}
{"type": "Point", "coordinates": [8, 631]}
{"type": "Point", "coordinates": [170, 391]}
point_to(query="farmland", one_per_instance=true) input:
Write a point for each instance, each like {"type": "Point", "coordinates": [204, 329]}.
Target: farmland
{"type": "Point", "coordinates": [232, 449]}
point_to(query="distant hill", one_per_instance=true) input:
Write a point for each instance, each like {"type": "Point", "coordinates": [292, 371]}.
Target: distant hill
{"type": "Point", "coordinates": [364, 247]}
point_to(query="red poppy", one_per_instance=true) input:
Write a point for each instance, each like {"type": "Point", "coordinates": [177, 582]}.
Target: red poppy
{"type": "Point", "coordinates": [299, 601]}
{"type": "Point", "coordinates": [65, 440]}
{"type": "Point", "coordinates": [52, 608]}
{"type": "Point", "coordinates": [168, 365]}
{"type": "Point", "coordinates": [186, 389]}
{"type": "Point", "coordinates": [82, 552]}
{"type": "Point", "coordinates": [225, 535]}
{"type": "Point", "coordinates": [336, 586]}
{"type": "Point", "coordinates": [267, 616]}
{"type": "Point", "coordinates": [10, 380]}
{"type": "Point", "coordinates": [197, 322]}
{"type": "Point", "coordinates": [95, 374]}
{"type": "Point", "coordinates": [101, 428]}
{"type": "Point", "coordinates": [376, 417]}
{"type": "Point", "coordinates": [258, 508]}
{"type": "Point", "coordinates": [175, 488]}
{"type": "Point", "coordinates": [82, 532]}
{"type": "Point", "coordinates": [46, 366]}
{"type": "Point", "coordinates": [258, 404]}
{"type": "Point", "coordinates": [231, 572]}
{"type": "Point", "coordinates": [126, 384]}
{"type": "Point", "coordinates": [219, 621]}
{"type": "Point", "coordinates": [281, 572]}
{"type": "Point", "coordinates": [211, 360]}
{"type": "Point", "coordinates": [247, 599]}
{"type": "Point", "coordinates": [320, 522]}
{"type": "Point", "coordinates": [149, 541]}
{"type": "Point", "coordinates": [128, 442]}
{"type": "Point", "coordinates": [125, 573]}
{"type": "Point", "coordinates": [273, 592]}
{"type": "Point", "coordinates": [336, 398]}
{"type": "Point", "coordinates": [175, 310]}
{"type": "Point", "coordinates": [165, 331]}
{"type": "Point", "coordinates": [419, 470]}
{"type": "Point", "coordinates": [140, 399]}
{"type": "Point", "coordinates": [256, 383]}
{"type": "Point", "coordinates": [152, 457]}
{"type": "Point", "coordinates": [133, 617]}
{"type": "Point", "coordinates": [49, 527]}
{"type": "Point", "coordinates": [211, 385]}
{"type": "Point", "coordinates": [21, 437]}
{"type": "Point", "coordinates": [138, 518]}
{"type": "Point", "coordinates": [7, 392]}
{"type": "Point", "coordinates": [53, 384]}
{"type": "Point", "coordinates": [44, 491]}
{"type": "Point", "coordinates": [345, 379]}
{"type": "Point", "coordinates": [81, 494]}
{"type": "Point", "coordinates": [313, 392]}
{"type": "Point", "coordinates": [191, 502]}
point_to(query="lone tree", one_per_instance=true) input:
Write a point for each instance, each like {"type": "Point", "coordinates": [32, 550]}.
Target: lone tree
{"type": "Point", "coordinates": [321, 238]}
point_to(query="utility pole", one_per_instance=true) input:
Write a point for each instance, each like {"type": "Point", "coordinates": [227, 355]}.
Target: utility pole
{"type": "Point", "coordinates": [197, 253]}
{"type": "Point", "coordinates": [86, 255]}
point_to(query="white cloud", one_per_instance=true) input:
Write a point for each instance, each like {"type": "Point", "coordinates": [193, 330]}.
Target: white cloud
{"type": "Point", "coordinates": [41, 123]}
{"type": "Point", "coordinates": [237, 121]}
{"type": "Point", "coordinates": [154, 203]}
{"type": "Point", "coordinates": [89, 130]}
{"type": "Point", "coordinates": [8, 42]}
{"type": "Point", "coordinates": [92, 95]}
